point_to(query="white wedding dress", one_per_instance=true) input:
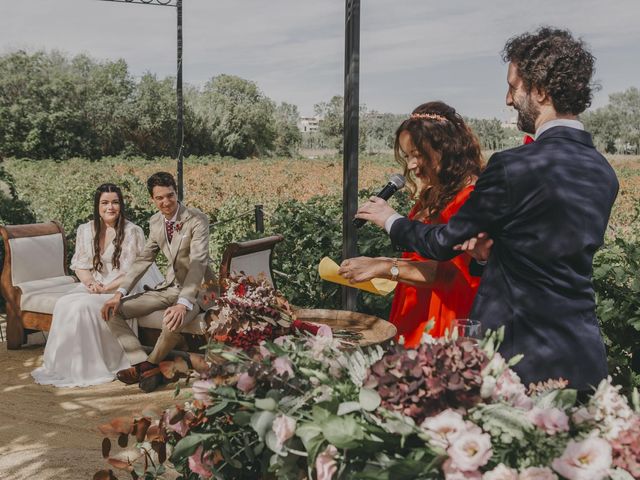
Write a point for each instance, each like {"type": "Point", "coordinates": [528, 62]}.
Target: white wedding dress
{"type": "Point", "coordinates": [80, 349]}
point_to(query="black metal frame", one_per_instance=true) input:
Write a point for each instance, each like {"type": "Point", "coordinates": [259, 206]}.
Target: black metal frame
{"type": "Point", "coordinates": [177, 4]}
{"type": "Point", "coordinates": [350, 145]}
{"type": "Point", "coordinates": [351, 124]}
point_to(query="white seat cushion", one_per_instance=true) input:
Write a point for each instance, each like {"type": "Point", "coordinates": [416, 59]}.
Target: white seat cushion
{"type": "Point", "coordinates": [44, 284]}
{"type": "Point", "coordinates": [43, 301]}
{"type": "Point", "coordinates": [154, 320]}
{"type": "Point", "coordinates": [36, 258]}
{"type": "Point", "coordinates": [254, 264]}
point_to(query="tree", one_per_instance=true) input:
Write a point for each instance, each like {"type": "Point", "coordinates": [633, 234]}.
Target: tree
{"type": "Point", "coordinates": [616, 126]}
{"type": "Point", "coordinates": [153, 125]}
{"type": "Point", "coordinates": [489, 131]}
{"type": "Point", "coordinates": [240, 117]}
{"type": "Point", "coordinates": [288, 137]}
{"type": "Point", "coordinates": [331, 125]}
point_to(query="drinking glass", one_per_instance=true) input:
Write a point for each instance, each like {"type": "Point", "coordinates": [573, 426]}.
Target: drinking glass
{"type": "Point", "coordinates": [468, 328]}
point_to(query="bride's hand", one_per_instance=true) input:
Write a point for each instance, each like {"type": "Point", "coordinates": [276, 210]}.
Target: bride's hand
{"type": "Point", "coordinates": [95, 287]}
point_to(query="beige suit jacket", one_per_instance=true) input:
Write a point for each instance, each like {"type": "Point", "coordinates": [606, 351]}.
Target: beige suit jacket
{"type": "Point", "coordinates": [188, 255]}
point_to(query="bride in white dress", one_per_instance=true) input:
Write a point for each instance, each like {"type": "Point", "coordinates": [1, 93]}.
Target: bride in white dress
{"type": "Point", "coordinates": [80, 349]}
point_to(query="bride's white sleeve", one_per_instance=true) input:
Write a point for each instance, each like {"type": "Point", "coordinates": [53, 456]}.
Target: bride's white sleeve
{"type": "Point", "coordinates": [132, 245]}
{"type": "Point", "coordinates": [83, 256]}
{"type": "Point", "coordinates": [135, 246]}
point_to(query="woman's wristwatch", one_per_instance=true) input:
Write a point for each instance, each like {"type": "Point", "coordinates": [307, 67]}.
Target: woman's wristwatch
{"type": "Point", "coordinates": [394, 269]}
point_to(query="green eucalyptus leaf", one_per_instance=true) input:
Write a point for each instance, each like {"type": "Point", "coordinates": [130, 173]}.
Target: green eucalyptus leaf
{"type": "Point", "coordinates": [261, 422]}
{"type": "Point", "coordinates": [189, 444]}
{"type": "Point", "coordinates": [266, 404]}
{"type": "Point", "coordinates": [369, 399]}
{"type": "Point", "coordinates": [343, 432]}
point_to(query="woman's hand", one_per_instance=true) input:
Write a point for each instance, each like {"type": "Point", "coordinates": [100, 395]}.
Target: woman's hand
{"type": "Point", "coordinates": [95, 287]}
{"type": "Point", "coordinates": [376, 210]}
{"type": "Point", "coordinates": [362, 269]}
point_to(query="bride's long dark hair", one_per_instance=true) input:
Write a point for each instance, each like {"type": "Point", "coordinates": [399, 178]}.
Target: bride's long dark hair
{"type": "Point", "coordinates": [97, 224]}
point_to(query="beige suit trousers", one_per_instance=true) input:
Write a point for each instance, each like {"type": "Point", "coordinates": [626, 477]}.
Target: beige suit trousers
{"type": "Point", "coordinates": [139, 306]}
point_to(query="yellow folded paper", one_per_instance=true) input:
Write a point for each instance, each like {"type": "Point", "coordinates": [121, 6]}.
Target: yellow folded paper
{"type": "Point", "coordinates": [328, 270]}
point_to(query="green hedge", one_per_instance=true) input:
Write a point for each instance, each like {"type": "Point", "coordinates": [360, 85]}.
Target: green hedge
{"type": "Point", "coordinates": [312, 230]}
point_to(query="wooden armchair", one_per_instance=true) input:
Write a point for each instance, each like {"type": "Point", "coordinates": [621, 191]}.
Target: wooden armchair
{"type": "Point", "coordinates": [252, 257]}
{"type": "Point", "coordinates": [34, 276]}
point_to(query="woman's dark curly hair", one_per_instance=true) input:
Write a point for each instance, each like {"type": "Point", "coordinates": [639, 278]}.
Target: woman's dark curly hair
{"type": "Point", "coordinates": [553, 61]}
{"type": "Point", "coordinates": [439, 126]}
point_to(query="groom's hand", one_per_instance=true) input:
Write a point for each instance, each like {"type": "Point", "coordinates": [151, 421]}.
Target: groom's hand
{"type": "Point", "coordinates": [111, 307]}
{"type": "Point", "coordinates": [174, 317]}
{"type": "Point", "coordinates": [479, 247]}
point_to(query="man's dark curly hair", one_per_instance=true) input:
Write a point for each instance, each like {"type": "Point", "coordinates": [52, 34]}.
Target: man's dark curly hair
{"type": "Point", "coordinates": [553, 61]}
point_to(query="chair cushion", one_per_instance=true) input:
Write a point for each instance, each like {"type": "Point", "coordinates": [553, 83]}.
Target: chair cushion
{"type": "Point", "coordinates": [43, 301]}
{"type": "Point", "coordinates": [154, 320]}
{"type": "Point", "coordinates": [36, 258]}
{"type": "Point", "coordinates": [44, 284]}
{"type": "Point", "coordinates": [254, 264]}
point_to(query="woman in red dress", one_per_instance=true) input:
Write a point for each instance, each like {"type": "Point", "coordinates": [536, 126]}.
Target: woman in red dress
{"type": "Point", "coordinates": [442, 160]}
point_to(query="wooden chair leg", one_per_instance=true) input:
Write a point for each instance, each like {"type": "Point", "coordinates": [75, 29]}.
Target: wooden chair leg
{"type": "Point", "coordinates": [15, 330]}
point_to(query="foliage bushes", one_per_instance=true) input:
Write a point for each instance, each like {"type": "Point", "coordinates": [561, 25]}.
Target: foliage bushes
{"type": "Point", "coordinates": [312, 229]}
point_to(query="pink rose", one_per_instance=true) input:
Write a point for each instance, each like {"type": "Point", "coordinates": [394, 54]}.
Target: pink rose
{"type": "Point", "coordinates": [551, 420]}
{"type": "Point", "coordinates": [246, 382]}
{"type": "Point", "coordinates": [501, 472]}
{"type": "Point", "coordinates": [326, 465]}
{"type": "Point", "coordinates": [200, 389]}
{"type": "Point", "coordinates": [510, 389]}
{"type": "Point", "coordinates": [589, 459]}
{"type": "Point", "coordinates": [284, 427]}
{"type": "Point", "coordinates": [325, 331]}
{"type": "Point", "coordinates": [181, 427]}
{"type": "Point", "coordinates": [444, 427]}
{"type": "Point", "coordinates": [283, 365]}
{"type": "Point", "coordinates": [470, 450]}
{"type": "Point", "coordinates": [264, 351]}
{"type": "Point", "coordinates": [200, 464]}
{"type": "Point", "coordinates": [451, 473]}
{"type": "Point", "coordinates": [537, 473]}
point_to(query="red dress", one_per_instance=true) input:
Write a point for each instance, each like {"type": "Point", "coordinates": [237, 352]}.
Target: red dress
{"type": "Point", "coordinates": [448, 298]}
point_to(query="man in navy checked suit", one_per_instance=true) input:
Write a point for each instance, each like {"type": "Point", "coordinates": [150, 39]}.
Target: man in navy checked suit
{"type": "Point", "coordinates": [545, 206]}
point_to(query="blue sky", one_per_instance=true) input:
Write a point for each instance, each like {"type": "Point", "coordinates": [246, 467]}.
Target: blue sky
{"type": "Point", "coordinates": [411, 50]}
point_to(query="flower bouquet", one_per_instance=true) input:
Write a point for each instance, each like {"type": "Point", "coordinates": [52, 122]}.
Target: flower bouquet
{"type": "Point", "coordinates": [250, 311]}
{"type": "Point", "coordinates": [301, 408]}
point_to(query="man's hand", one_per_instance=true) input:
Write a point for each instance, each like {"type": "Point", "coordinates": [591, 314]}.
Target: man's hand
{"type": "Point", "coordinates": [361, 269]}
{"type": "Point", "coordinates": [174, 317]}
{"type": "Point", "coordinates": [478, 247]}
{"type": "Point", "coordinates": [376, 210]}
{"type": "Point", "coordinates": [111, 307]}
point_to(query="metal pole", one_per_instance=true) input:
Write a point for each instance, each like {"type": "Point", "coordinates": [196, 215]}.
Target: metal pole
{"type": "Point", "coordinates": [180, 139]}
{"type": "Point", "coordinates": [350, 145]}
{"type": "Point", "coordinates": [259, 214]}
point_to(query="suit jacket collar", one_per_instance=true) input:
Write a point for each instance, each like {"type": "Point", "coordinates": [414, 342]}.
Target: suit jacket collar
{"type": "Point", "coordinates": [566, 133]}
{"type": "Point", "coordinates": [171, 249]}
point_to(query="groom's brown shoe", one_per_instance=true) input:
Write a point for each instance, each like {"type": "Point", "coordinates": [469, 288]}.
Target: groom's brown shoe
{"type": "Point", "coordinates": [150, 380]}
{"type": "Point", "coordinates": [129, 375]}
{"type": "Point", "coordinates": [134, 373]}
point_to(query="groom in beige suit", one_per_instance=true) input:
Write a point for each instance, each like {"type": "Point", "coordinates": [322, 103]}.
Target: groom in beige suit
{"type": "Point", "coordinates": [182, 234]}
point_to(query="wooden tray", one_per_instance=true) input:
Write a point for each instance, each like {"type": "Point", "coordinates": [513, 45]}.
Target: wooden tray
{"type": "Point", "coordinates": [373, 329]}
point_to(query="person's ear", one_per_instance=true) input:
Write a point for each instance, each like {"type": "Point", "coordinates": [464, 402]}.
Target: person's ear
{"type": "Point", "coordinates": [540, 96]}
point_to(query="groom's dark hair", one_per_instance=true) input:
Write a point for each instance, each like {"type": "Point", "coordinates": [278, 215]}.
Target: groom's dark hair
{"type": "Point", "coordinates": [553, 61]}
{"type": "Point", "coordinates": [161, 179]}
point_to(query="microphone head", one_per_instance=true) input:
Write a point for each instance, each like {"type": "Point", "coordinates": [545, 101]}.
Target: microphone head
{"type": "Point", "coordinates": [398, 180]}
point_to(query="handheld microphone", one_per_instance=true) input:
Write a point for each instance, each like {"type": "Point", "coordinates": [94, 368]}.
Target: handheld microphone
{"type": "Point", "coordinates": [396, 182]}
